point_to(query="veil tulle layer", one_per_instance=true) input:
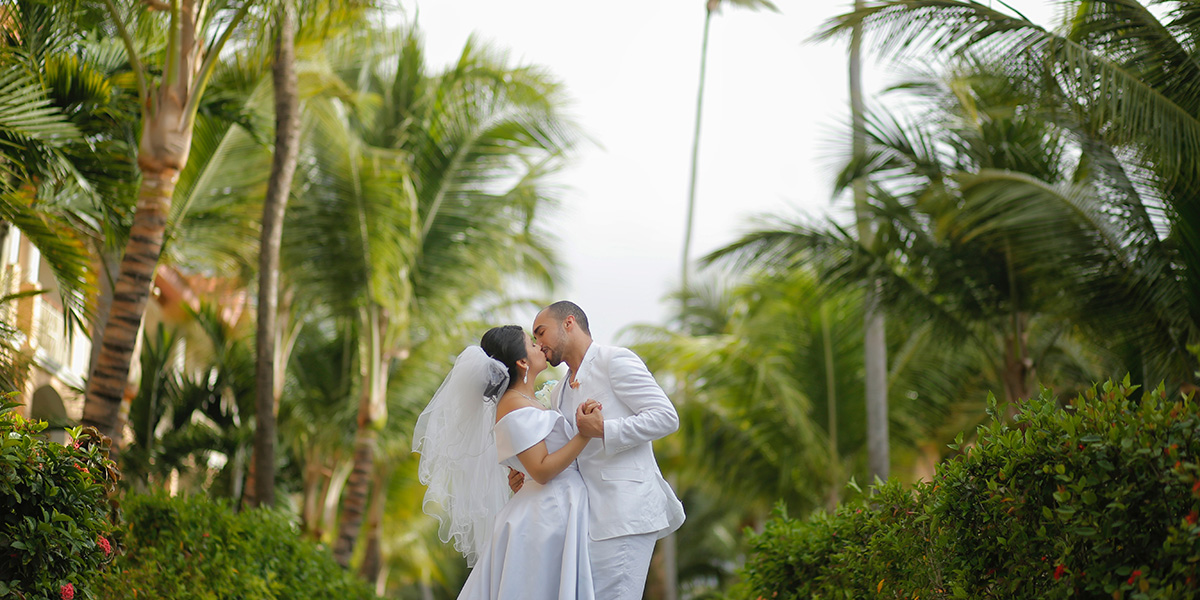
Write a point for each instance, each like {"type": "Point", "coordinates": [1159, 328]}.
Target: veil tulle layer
{"type": "Point", "coordinates": [467, 485]}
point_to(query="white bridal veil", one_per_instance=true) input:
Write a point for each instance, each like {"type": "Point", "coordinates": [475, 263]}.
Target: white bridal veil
{"type": "Point", "coordinates": [467, 485]}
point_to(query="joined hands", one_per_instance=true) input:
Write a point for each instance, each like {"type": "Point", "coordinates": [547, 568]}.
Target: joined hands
{"type": "Point", "coordinates": [589, 419]}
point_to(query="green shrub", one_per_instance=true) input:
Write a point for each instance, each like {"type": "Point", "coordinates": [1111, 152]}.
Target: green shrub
{"type": "Point", "coordinates": [862, 550]}
{"type": "Point", "coordinates": [1098, 499]}
{"type": "Point", "coordinates": [196, 548]}
{"type": "Point", "coordinates": [56, 512]}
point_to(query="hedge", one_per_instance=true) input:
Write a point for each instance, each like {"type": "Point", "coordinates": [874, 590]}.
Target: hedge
{"type": "Point", "coordinates": [195, 548]}
{"type": "Point", "coordinates": [1095, 499]}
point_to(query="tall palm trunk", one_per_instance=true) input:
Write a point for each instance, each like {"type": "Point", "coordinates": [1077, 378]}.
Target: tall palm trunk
{"type": "Point", "coordinates": [1017, 367]}
{"type": "Point", "coordinates": [1017, 364]}
{"type": "Point", "coordinates": [668, 562]}
{"type": "Point", "coordinates": [354, 503]}
{"type": "Point", "coordinates": [372, 568]}
{"type": "Point", "coordinates": [109, 265]}
{"type": "Point", "coordinates": [372, 412]}
{"type": "Point", "coordinates": [283, 168]}
{"type": "Point", "coordinates": [831, 409]}
{"type": "Point", "coordinates": [875, 340]}
{"type": "Point", "coordinates": [710, 8]}
{"type": "Point", "coordinates": [106, 386]}
{"type": "Point", "coordinates": [169, 110]}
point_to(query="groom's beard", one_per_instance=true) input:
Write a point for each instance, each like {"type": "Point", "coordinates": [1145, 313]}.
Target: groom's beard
{"type": "Point", "coordinates": [556, 354]}
{"type": "Point", "coordinates": [555, 357]}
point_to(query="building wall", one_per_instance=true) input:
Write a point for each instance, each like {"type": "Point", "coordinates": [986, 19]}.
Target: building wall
{"type": "Point", "coordinates": [60, 361]}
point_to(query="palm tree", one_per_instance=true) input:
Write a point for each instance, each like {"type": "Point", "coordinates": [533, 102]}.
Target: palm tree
{"type": "Point", "coordinates": [420, 198]}
{"type": "Point", "coordinates": [990, 233]}
{"type": "Point", "coordinates": [756, 412]}
{"type": "Point", "coordinates": [191, 39]}
{"type": "Point", "coordinates": [207, 401]}
{"type": "Point", "coordinates": [283, 168]}
{"type": "Point", "coordinates": [57, 110]}
{"type": "Point", "coordinates": [322, 18]}
{"type": "Point", "coordinates": [710, 7]}
{"type": "Point", "coordinates": [874, 332]}
{"type": "Point", "coordinates": [1130, 98]}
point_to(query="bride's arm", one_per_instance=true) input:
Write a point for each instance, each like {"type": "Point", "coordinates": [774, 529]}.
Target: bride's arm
{"type": "Point", "coordinates": [544, 465]}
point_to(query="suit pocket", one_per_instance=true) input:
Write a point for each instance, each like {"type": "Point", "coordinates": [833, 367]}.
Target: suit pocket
{"type": "Point", "coordinates": [622, 474]}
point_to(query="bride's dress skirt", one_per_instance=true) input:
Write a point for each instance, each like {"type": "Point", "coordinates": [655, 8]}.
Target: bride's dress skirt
{"type": "Point", "coordinates": [539, 547]}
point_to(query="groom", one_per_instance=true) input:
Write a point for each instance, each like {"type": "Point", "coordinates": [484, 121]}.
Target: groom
{"type": "Point", "coordinates": [631, 505]}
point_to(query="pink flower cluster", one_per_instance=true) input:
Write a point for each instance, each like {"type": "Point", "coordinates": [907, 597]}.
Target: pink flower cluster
{"type": "Point", "coordinates": [68, 592]}
{"type": "Point", "coordinates": [104, 545]}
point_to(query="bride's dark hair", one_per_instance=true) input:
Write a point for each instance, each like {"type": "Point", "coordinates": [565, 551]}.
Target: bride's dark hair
{"type": "Point", "coordinates": [507, 345]}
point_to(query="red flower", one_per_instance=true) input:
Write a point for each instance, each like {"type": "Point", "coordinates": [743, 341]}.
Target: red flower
{"type": "Point", "coordinates": [1191, 518]}
{"type": "Point", "coordinates": [104, 545]}
{"type": "Point", "coordinates": [1196, 487]}
{"type": "Point", "coordinates": [1058, 571]}
{"type": "Point", "coordinates": [68, 592]}
{"type": "Point", "coordinates": [1134, 575]}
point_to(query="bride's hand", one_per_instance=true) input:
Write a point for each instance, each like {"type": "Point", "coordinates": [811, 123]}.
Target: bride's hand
{"type": "Point", "coordinates": [590, 419]}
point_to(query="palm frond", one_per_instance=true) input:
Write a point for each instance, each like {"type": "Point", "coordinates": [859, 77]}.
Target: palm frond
{"type": "Point", "coordinates": [1113, 91]}
{"type": "Point", "coordinates": [65, 253]}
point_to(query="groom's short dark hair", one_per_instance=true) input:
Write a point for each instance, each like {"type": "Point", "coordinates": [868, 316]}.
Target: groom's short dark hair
{"type": "Point", "coordinates": [565, 308]}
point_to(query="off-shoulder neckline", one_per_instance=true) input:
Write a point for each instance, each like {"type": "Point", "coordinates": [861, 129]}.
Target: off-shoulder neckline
{"type": "Point", "coordinates": [516, 410]}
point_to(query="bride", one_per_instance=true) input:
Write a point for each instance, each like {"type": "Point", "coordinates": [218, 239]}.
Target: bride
{"type": "Point", "coordinates": [484, 418]}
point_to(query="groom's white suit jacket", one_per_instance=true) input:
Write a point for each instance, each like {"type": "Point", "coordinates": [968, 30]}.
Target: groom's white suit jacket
{"type": "Point", "coordinates": [627, 494]}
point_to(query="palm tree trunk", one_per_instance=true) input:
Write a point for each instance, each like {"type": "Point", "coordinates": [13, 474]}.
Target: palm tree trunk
{"type": "Point", "coordinates": [310, 501]}
{"type": "Point", "coordinates": [354, 503]}
{"type": "Point", "coordinates": [875, 339]}
{"type": "Point", "coordinates": [667, 560]}
{"type": "Point", "coordinates": [831, 410]}
{"type": "Point", "coordinates": [691, 205]}
{"type": "Point", "coordinates": [283, 168]}
{"type": "Point", "coordinates": [169, 109]}
{"type": "Point", "coordinates": [371, 414]}
{"type": "Point", "coordinates": [110, 264]}
{"type": "Point", "coordinates": [669, 567]}
{"type": "Point", "coordinates": [131, 292]}
{"type": "Point", "coordinates": [1017, 366]}
{"type": "Point", "coordinates": [372, 565]}
{"type": "Point", "coordinates": [338, 477]}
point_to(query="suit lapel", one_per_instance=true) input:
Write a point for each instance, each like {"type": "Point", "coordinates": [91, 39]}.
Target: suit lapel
{"type": "Point", "coordinates": [576, 393]}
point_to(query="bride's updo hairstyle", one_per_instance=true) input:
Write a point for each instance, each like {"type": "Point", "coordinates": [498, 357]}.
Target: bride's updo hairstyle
{"type": "Point", "coordinates": [507, 345]}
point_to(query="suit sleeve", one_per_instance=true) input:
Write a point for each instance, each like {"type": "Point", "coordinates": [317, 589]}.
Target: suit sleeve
{"type": "Point", "coordinates": [653, 415]}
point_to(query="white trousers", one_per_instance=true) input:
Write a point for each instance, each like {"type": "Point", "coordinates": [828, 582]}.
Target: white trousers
{"type": "Point", "coordinates": [620, 565]}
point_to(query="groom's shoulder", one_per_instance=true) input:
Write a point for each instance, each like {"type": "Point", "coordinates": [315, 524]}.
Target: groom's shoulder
{"type": "Point", "coordinates": [610, 354]}
{"type": "Point", "coordinates": [607, 351]}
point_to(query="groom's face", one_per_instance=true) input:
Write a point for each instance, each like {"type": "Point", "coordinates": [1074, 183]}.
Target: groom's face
{"type": "Point", "coordinates": [551, 334]}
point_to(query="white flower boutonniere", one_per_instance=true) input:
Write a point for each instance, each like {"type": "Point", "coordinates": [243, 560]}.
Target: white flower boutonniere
{"type": "Point", "coordinates": [542, 395]}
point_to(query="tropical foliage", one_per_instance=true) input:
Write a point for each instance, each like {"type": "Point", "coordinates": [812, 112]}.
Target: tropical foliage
{"type": "Point", "coordinates": [1055, 505]}
{"type": "Point", "coordinates": [193, 547]}
{"type": "Point", "coordinates": [1024, 217]}
{"type": "Point", "coordinates": [58, 530]}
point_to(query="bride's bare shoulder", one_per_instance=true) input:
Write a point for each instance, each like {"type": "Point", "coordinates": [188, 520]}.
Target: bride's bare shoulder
{"type": "Point", "coordinates": [509, 401]}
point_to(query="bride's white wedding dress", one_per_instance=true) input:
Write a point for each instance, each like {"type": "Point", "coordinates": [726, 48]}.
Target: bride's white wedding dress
{"type": "Point", "coordinates": [539, 545]}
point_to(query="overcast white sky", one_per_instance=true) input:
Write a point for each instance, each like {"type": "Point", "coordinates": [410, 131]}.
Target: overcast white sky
{"type": "Point", "coordinates": [774, 114]}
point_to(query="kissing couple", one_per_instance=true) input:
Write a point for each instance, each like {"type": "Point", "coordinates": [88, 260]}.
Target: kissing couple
{"type": "Point", "coordinates": [588, 500]}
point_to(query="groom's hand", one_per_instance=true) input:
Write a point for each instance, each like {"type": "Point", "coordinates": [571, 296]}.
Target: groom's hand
{"type": "Point", "coordinates": [589, 419]}
{"type": "Point", "coordinates": [516, 479]}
